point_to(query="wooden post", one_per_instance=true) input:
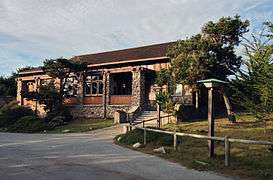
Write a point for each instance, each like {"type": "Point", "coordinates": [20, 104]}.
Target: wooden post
{"type": "Point", "coordinates": [227, 151]}
{"type": "Point", "coordinates": [158, 115]}
{"type": "Point", "coordinates": [174, 140]}
{"type": "Point", "coordinates": [196, 100]}
{"type": "Point", "coordinates": [144, 136]}
{"type": "Point", "coordinates": [210, 122]}
{"type": "Point", "coordinates": [130, 121]}
{"type": "Point", "coordinates": [143, 125]}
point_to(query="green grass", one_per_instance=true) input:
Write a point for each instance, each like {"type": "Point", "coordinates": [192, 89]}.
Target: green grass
{"type": "Point", "coordinates": [83, 125]}
{"type": "Point", "coordinates": [247, 161]}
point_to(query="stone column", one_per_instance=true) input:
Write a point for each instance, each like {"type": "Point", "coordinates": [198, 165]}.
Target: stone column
{"type": "Point", "coordinates": [80, 89]}
{"type": "Point", "coordinates": [19, 89]}
{"type": "Point", "coordinates": [138, 87]}
{"type": "Point", "coordinates": [106, 91]}
{"type": "Point", "coordinates": [105, 95]}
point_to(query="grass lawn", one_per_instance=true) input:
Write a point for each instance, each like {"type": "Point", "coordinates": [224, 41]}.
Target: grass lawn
{"type": "Point", "coordinates": [83, 125]}
{"type": "Point", "coordinates": [247, 161]}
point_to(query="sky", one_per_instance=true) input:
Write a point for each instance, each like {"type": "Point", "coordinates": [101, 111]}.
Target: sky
{"type": "Point", "coordinates": [34, 30]}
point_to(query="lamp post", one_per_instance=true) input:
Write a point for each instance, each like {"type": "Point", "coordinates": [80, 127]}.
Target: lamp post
{"type": "Point", "coordinates": [211, 84]}
{"type": "Point", "coordinates": [158, 89]}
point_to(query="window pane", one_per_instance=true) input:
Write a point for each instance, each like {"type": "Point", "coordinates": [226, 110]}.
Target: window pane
{"type": "Point", "coordinates": [94, 88]}
{"type": "Point", "coordinates": [100, 88]}
{"type": "Point", "coordinates": [87, 89]}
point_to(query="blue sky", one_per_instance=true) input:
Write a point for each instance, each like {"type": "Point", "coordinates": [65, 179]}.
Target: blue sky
{"type": "Point", "coordinates": [33, 30]}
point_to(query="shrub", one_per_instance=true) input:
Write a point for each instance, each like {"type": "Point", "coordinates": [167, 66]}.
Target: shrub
{"type": "Point", "coordinates": [65, 114]}
{"type": "Point", "coordinates": [11, 112]}
{"type": "Point", "coordinates": [56, 121]}
{"type": "Point", "coordinates": [28, 124]}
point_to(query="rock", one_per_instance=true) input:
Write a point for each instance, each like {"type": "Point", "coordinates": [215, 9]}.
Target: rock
{"type": "Point", "coordinates": [137, 145]}
{"type": "Point", "coordinates": [90, 128]}
{"type": "Point", "coordinates": [160, 150]}
{"type": "Point", "coordinates": [66, 131]}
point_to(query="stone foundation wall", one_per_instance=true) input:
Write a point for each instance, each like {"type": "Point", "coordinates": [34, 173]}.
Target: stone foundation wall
{"type": "Point", "coordinates": [94, 111]}
{"type": "Point", "coordinates": [112, 108]}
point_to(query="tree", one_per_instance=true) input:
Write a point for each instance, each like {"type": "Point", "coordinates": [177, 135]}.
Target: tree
{"type": "Point", "coordinates": [62, 68]}
{"type": "Point", "coordinates": [210, 54]}
{"type": "Point", "coordinates": [164, 81]}
{"type": "Point", "coordinates": [8, 85]}
{"type": "Point", "coordinates": [253, 86]}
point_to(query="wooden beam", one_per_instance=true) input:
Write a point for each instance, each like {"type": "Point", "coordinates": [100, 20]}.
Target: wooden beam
{"type": "Point", "coordinates": [210, 122]}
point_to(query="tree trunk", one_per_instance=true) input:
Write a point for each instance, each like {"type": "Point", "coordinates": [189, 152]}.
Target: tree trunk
{"type": "Point", "coordinates": [230, 113]}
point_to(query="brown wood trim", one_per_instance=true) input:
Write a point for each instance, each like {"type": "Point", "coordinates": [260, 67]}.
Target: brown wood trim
{"type": "Point", "coordinates": [70, 101]}
{"type": "Point", "coordinates": [129, 61]}
{"type": "Point", "coordinates": [120, 99]}
{"type": "Point", "coordinates": [92, 100]}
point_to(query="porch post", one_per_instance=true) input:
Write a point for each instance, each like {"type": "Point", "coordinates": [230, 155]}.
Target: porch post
{"type": "Point", "coordinates": [80, 90]}
{"type": "Point", "coordinates": [19, 89]}
{"type": "Point", "coordinates": [105, 95]}
{"type": "Point", "coordinates": [211, 122]}
{"type": "Point", "coordinates": [137, 87]}
{"type": "Point", "coordinates": [106, 92]}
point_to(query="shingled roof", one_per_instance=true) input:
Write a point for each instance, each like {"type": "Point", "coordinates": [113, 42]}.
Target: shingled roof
{"type": "Point", "coordinates": [126, 55]}
{"type": "Point", "coordinates": [143, 53]}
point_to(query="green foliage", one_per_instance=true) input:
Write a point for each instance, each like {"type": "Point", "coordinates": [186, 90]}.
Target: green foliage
{"type": "Point", "coordinates": [165, 101]}
{"type": "Point", "coordinates": [8, 85]}
{"type": "Point", "coordinates": [163, 77]}
{"type": "Point", "coordinates": [27, 68]}
{"type": "Point", "coordinates": [62, 68]}
{"type": "Point", "coordinates": [50, 96]}
{"type": "Point", "coordinates": [253, 87]}
{"type": "Point", "coordinates": [11, 112]}
{"type": "Point", "coordinates": [28, 124]}
{"type": "Point", "coordinates": [209, 54]}
{"type": "Point", "coordinates": [136, 135]}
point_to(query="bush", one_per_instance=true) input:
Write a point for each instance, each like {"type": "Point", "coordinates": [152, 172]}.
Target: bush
{"type": "Point", "coordinates": [56, 121]}
{"type": "Point", "coordinates": [12, 112]}
{"type": "Point", "coordinates": [155, 138]}
{"type": "Point", "coordinates": [28, 124]}
{"type": "Point", "coordinates": [65, 114]}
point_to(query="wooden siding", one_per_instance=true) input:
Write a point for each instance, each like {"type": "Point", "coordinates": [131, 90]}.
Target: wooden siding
{"type": "Point", "coordinates": [120, 99]}
{"type": "Point", "coordinates": [92, 100]}
{"type": "Point", "coordinates": [70, 101]}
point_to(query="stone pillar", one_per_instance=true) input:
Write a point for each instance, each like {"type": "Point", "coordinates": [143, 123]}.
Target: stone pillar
{"type": "Point", "coordinates": [105, 96]}
{"type": "Point", "coordinates": [138, 87]}
{"type": "Point", "coordinates": [19, 89]}
{"type": "Point", "coordinates": [80, 89]}
{"type": "Point", "coordinates": [106, 91]}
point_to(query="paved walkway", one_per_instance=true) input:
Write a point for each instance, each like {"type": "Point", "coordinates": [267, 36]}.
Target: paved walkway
{"type": "Point", "coordinates": [83, 156]}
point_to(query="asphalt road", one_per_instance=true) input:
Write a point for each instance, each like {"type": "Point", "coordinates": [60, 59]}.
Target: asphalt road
{"type": "Point", "coordinates": [83, 156]}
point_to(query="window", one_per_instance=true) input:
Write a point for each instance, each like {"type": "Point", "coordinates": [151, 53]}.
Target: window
{"type": "Point", "coordinates": [93, 84]}
{"type": "Point", "coordinates": [121, 83]}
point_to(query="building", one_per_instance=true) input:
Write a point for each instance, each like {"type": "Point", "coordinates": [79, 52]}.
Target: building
{"type": "Point", "coordinates": [115, 80]}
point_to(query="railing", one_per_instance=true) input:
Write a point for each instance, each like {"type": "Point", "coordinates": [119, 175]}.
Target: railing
{"type": "Point", "coordinates": [148, 120]}
{"type": "Point", "coordinates": [225, 139]}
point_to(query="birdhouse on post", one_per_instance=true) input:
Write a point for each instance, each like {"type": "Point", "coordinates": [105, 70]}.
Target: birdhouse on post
{"type": "Point", "coordinates": [211, 84]}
